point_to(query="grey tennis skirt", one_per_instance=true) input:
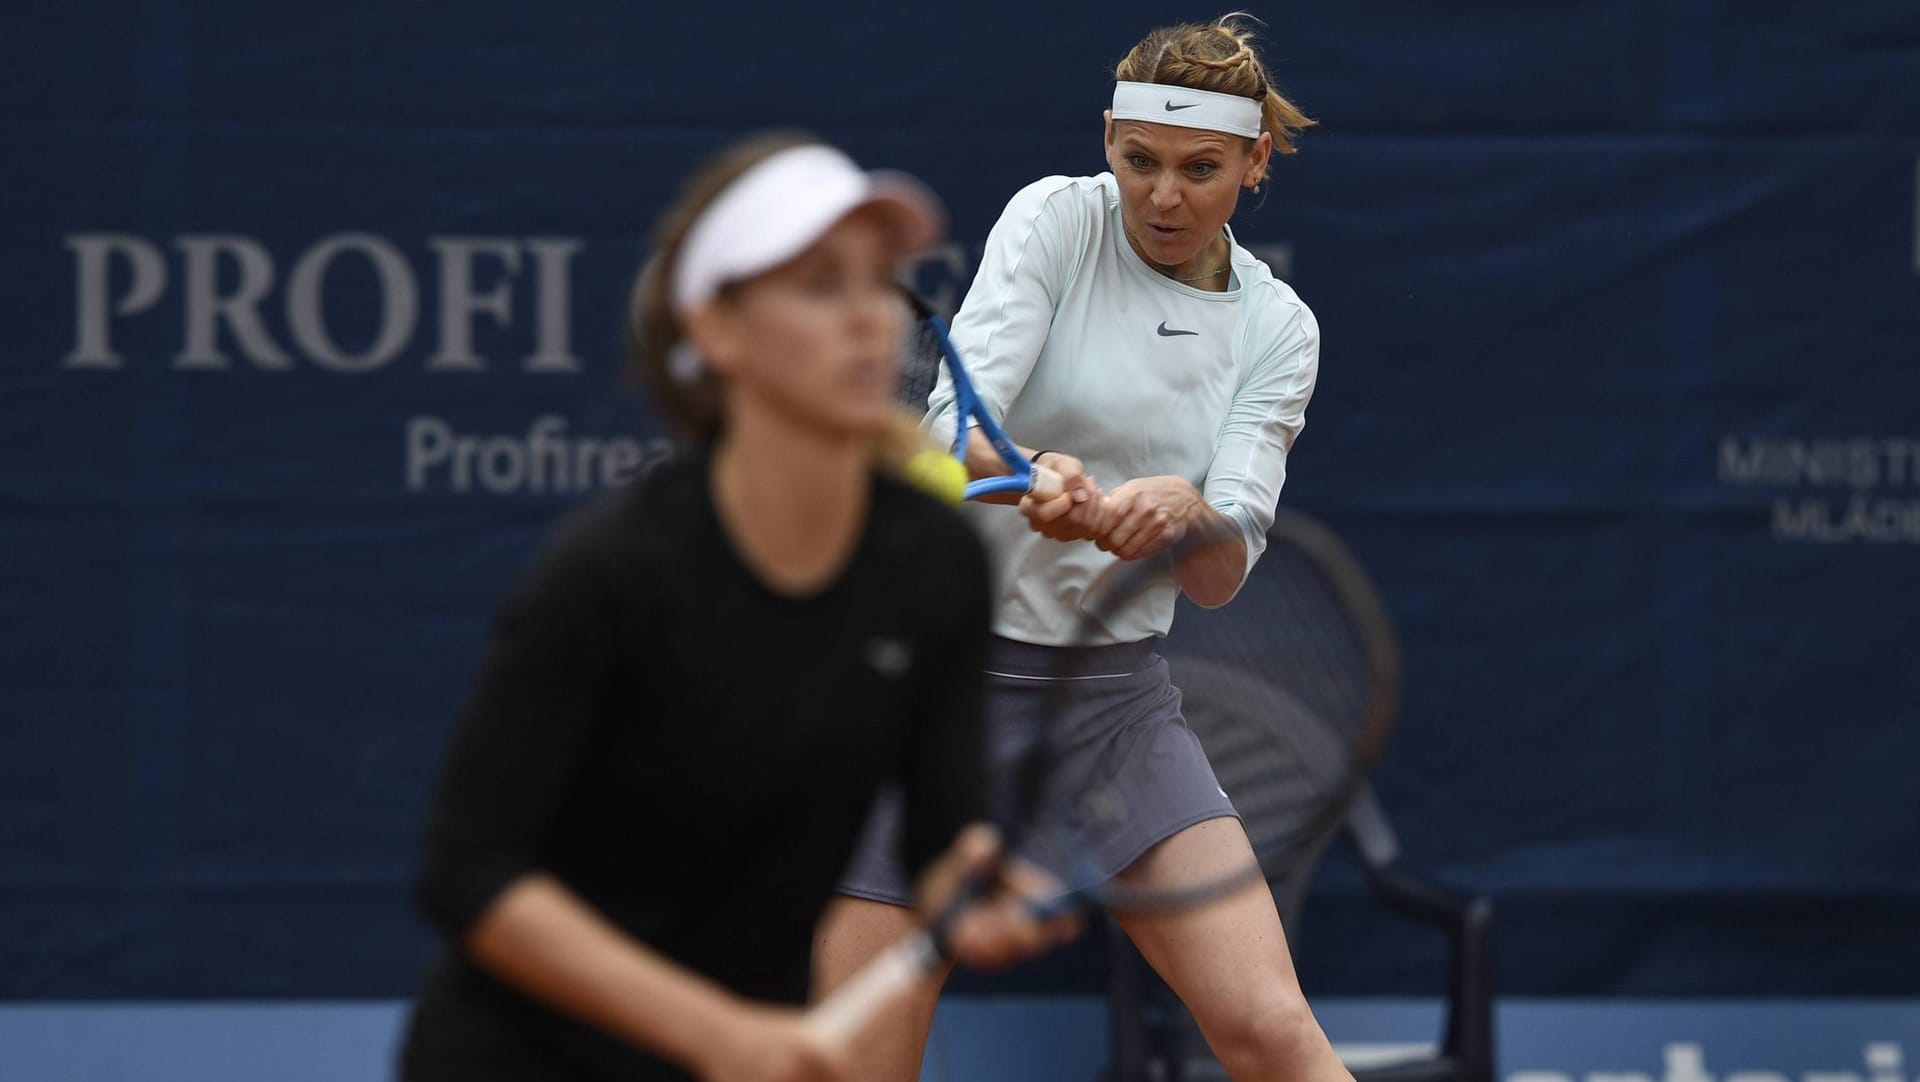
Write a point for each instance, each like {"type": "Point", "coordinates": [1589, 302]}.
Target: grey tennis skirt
{"type": "Point", "coordinates": [1114, 728]}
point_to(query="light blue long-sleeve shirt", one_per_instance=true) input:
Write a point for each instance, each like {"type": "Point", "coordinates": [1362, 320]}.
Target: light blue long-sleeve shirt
{"type": "Point", "coordinates": [1077, 345]}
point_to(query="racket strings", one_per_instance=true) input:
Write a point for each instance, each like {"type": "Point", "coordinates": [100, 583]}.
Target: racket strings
{"type": "Point", "coordinates": [1317, 652]}
{"type": "Point", "coordinates": [1289, 696]}
{"type": "Point", "coordinates": [920, 362]}
{"type": "Point", "coordinates": [1253, 735]}
{"type": "Point", "coordinates": [1323, 661]}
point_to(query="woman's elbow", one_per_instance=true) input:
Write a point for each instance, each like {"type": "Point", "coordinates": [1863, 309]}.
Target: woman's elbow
{"type": "Point", "coordinates": [1215, 582]}
{"type": "Point", "coordinates": [1210, 571]}
{"type": "Point", "coordinates": [1212, 595]}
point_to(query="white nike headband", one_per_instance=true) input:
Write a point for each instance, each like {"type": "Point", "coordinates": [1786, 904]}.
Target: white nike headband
{"type": "Point", "coordinates": [1158, 103]}
{"type": "Point", "coordinates": [780, 207]}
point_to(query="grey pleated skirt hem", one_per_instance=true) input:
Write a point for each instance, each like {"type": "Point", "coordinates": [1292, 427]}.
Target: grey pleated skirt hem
{"type": "Point", "coordinates": [1124, 771]}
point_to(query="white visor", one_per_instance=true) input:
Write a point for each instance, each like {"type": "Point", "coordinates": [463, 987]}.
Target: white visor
{"type": "Point", "coordinates": [1157, 103]}
{"type": "Point", "coordinates": [781, 206]}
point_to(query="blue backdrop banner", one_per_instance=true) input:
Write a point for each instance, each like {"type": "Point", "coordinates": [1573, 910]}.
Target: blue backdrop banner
{"type": "Point", "coordinates": [315, 324]}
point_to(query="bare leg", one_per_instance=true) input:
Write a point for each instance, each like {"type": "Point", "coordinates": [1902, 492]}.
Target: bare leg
{"type": "Point", "coordinates": [852, 933]}
{"type": "Point", "coordinates": [1228, 961]}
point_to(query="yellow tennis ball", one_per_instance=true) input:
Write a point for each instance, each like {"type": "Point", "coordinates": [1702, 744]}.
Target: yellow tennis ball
{"type": "Point", "coordinates": [938, 474]}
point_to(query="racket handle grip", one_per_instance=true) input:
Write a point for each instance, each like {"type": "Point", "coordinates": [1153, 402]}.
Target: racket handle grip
{"type": "Point", "coordinates": [840, 1017]}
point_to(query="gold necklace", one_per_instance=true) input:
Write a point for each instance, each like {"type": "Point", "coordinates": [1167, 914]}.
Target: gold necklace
{"type": "Point", "coordinates": [1198, 277]}
{"type": "Point", "coordinates": [1221, 269]}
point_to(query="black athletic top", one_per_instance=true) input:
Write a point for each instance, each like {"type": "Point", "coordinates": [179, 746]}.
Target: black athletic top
{"type": "Point", "coordinates": [694, 754]}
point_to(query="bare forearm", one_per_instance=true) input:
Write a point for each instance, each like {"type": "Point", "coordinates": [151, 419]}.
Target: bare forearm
{"type": "Point", "coordinates": [1211, 560]}
{"type": "Point", "coordinates": [540, 937]}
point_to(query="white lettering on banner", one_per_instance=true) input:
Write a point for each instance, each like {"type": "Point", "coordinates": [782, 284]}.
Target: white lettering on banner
{"type": "Point", "coordinates": [239, 310]}
{"type": "Point", "coordinates": [93, 314]}
{"type": "Point", "coordinates": [459, 302]}
{"type": "Point", "coordinates": [119, 276]}
{"type": "Point", "coordinates": [1830, 463]}
{"type": "Point", "coordinates": [400, 303]}
{"type": "Point", "coordinates": [544, 460]}
{"type": "Point", "coordinates": [1860, 468]}
{"type": "Point", "coordinates": [1887, 1061]}
{"type": "Point", "coordinates": [1686, 1062]}
{"type": "Point", "coordinates": [1885, 521]}
{"type": "Point", "coordinates": [553, 351]}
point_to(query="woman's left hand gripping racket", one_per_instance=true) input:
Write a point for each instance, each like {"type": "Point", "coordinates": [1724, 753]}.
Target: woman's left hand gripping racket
{"type": "Point", "coordinates": [930, 350]}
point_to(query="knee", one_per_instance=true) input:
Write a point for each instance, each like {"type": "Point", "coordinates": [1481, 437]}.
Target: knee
{"type": "Point", "coordinates": [1265, 1035]}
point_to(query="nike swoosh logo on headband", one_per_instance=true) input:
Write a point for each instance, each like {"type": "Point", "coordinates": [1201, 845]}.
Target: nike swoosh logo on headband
{"type": "Point", "coordinates": [1163, 332]}
{"type": "Point", "coordinates": [1172, 108]}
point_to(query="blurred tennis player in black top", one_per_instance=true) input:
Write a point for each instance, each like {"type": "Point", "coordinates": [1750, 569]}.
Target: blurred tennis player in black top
{"type": "Point", "coordinates": [689, 701]}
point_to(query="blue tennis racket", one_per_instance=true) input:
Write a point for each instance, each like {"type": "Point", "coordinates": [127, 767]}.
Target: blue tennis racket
{"type": "Point", "coordinates": [929, 352]}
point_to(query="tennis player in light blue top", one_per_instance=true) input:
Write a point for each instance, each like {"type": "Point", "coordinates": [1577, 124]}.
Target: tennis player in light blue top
{"type": "Point", "coordinates": [1128, 342]}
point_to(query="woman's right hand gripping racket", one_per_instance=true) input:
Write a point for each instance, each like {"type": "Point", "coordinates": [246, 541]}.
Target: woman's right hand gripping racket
{"type": "Point", "coordinates": [1292, 690]}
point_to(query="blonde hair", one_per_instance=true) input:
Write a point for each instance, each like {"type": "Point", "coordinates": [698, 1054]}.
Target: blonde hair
{"type": "Point", "coordinates": [1219, 56]}
{"type": "Point", "coordinates": [691, 399]}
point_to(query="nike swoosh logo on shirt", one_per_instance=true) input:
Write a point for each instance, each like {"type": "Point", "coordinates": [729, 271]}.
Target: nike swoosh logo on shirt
{"type": "Point", "coordinates": [1172, 108]}
{"type": "Point", "coordinates": [1165, 332]}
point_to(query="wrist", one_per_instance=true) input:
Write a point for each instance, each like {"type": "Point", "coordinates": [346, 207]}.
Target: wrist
{"type": "Point", "coordinates": [1034, 458]}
